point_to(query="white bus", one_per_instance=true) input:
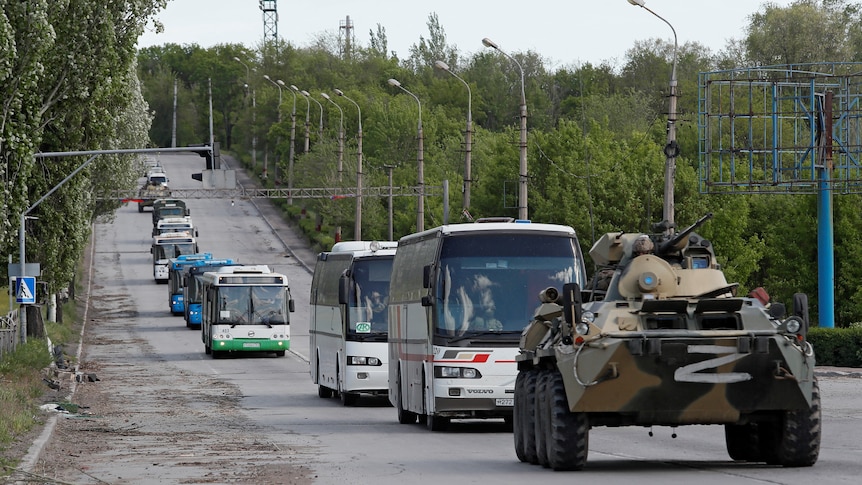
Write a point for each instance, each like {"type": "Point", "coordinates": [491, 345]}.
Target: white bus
{"type": "Point", "coordinates": [245, 309]}
{"type": "Point", "coordinates": [348, 328]}
{"type": "Point", "coordinates": [460, 296]}
{"type": "Point", "coordinates": [168, 246]}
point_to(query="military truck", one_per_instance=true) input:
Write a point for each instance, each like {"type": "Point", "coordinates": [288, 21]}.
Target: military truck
{"type": "Point", "coordinates": [155, 187]}
{"type": "Point", "coordinates": [165, 208]}
{"type": "Point", "coordinates": [668, 342]}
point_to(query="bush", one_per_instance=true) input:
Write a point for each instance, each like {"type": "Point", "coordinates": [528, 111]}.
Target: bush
{"type": "Point", "coordinates": [840, 347]}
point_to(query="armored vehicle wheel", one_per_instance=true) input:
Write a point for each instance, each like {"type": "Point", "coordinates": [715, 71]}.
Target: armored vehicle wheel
{"type": "Point", "coordinates": [518, 417]}
{"type": "Point", "coordinates": [436, 423]}
{"type": "Point", "coordinates": [743, 442]}
{"type": "Point", "coordinates": [527, 417]}
{"type": "Point", "coordinates": [794, 441]}
{"type": "Point", "coordinates": [568, 433]}
{"type": "Point", "coordinates": [140, 208]}
{"type": "Point", "coordinates": [541, 425]}
{"type": "Point", "coordinates": [404, 417]}
{"type": "Point", "coordinates": [324, 392]}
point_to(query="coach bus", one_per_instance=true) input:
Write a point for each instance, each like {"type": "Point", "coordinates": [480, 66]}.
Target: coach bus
{"type": "Point", "coordinates": [176, 270]}
{"type": "Point", "coordinates": [193, 288]}
{"type": "Point", "coordinates": [245, 309]}
{"type": "Point", "coordinates": [348, 327]}
{"type": "Point", "coordinates": [460, 296]}
{"type": "Point", "coordinates": [168, 246]}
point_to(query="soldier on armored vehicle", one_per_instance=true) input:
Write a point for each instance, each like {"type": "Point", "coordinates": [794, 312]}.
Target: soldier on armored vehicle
{"type": "Point", "coordinates": [668, 344]}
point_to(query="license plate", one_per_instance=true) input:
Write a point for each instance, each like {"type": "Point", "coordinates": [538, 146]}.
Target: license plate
{"type": "Point", "coordinates": [505, 402]}
{"type": "Point", "coordinates": [255, 345]}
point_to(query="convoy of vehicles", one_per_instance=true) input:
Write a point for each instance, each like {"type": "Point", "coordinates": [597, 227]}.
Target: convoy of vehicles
{"type": "Point", "coordinates": [668, 343]}
{"type": "Point", "coordinates": [348, 321]}
{"type": "Point", "coordinates": [193, 288]}
{"type": "Point", "coordinates": [176, 279]}
{"type": "Point", "coordinates": [245, 308]}
{"type": "Point", "coordinates": [164, 208]}
{"type": "Point", "coordinates": [459, 298]}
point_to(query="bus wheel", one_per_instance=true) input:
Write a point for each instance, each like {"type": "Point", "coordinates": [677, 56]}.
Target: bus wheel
{"type": "Point", "coordinates": [349, 398]}
{"type": "Point", "coordinates": [207, 349]}
{"type": "Point", "coordinates": [279, 353]}
{"type": "Point", "coordinates": [404, 417]}
{"type": "Point", "coordinates": [437, 423]}
{"type": "Point", "coordinates": [324, 392]}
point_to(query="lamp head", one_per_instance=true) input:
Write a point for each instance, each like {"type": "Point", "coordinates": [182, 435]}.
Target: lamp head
{"type": "Point", "coordinates": [294, 88]}
{"type": "Point", "coordinates": [394, 82]}
{"type": "Point", "coordinates": [305, 93]}
{"type": "Point", "coordinates": [637, 3]}
{"type": "Point", "coordinates": [281, 83]}
{"type": "Point", "coordinates": [338, 92]}
{"type": "Point", "coordinates": [236, 59]}
{"type": "Point", "coordinates": [325, 96]}
{"type": "Point", "coordinates": [267, 77]}
{"type": "Point", "coordinates": [441, 65]}
{"type": "Point", "coordinates": [489, 43]}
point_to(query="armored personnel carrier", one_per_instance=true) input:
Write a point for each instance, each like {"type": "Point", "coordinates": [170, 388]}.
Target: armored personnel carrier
{"type": "Point", "coordinates": [666, 343]}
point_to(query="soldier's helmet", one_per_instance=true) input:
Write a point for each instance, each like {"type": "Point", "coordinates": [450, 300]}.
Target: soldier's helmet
{"type": "Point", "coordinates": [642, 245]}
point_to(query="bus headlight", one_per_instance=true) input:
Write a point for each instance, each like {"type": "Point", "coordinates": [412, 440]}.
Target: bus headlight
{"type": "Point", "coordinates": [457, 372]}
{"type": "Point", "coordinates": [360, 360]}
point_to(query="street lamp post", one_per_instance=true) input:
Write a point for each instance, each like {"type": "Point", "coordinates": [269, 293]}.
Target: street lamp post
{"type": "Point", "coordinates": [320, 126]}
{"type": "Point", "coordinates": [253, 117]}
{"type": "Point", "coordinates": [357, 231]}
{"type": "Point", "coordinates": [671, 149]}
{"type": "Point", "coordinates": [307, 116]}
{"type": "Point", "coordinates": [389, 168]}
{"type": "Point", "coordinates": [522, 183]}
{"type": "Point", "coordinates": [278, 141]}
{"type": "Point", "coordinates": [420, 158]}
{"type": "Point", "coordinates": [292, 151]}
{"type": "Point", "coordinates": [340, 135]}
{"type": "Point", "coordinates": [468, 136]}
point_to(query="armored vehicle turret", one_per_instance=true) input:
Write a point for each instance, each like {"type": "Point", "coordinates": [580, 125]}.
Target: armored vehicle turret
{"type": "Point", "coordinates": [665, 341]}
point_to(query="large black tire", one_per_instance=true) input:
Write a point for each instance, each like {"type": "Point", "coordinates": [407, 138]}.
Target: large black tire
{"type": "Point", "coordinates": [518, 416]}
{"type": "Point", "coordinates": [743, 442]}
{"type": "Point", "coordinates": [404, 416]}
{"type": "Point", "coordinates": [795, 440]}
{"type": "Point", "coordinates": [568, 436]}
{"type": "Point", "coordinates": [324, 392]}
{"type": "Point", "coordinates": [541, 425]}
{"type": "Point", "coordinates": [437, 423]}
{"type": "Point", "coordinates": [529, 416]}
{"type": "Point", "coordinates": [207, 349]}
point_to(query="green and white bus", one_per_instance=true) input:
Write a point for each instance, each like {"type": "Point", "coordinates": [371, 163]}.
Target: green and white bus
{"type": "Point", "coordinates": [245, 309]}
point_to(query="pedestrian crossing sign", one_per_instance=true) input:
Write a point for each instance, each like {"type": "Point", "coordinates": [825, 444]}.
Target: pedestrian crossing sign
{"type": "Point", "coordinates": [25, 290]}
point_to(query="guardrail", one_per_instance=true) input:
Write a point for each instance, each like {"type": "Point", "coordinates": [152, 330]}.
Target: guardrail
{"type": "Point", "coordinates": [283, 193]}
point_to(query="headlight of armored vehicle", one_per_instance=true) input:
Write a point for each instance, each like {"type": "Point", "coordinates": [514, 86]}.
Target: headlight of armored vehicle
{"type": "Point", "coordinates": [792, 325]}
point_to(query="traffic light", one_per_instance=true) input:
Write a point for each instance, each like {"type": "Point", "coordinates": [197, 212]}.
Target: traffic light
{"type": "Point", "coordinates": [213, 156]}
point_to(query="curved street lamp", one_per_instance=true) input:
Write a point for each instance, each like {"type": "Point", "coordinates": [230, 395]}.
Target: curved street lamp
{"type": "Point", "coordinates": [253, 116]}
{"type": "Point", "coordinates": [468, 137]}
{"type": "Point", "coordinates": [420, 159]}
{"type": "Point", "coordinates": [522, 182]}
{"type": "Point", "coordinates": [320, 127]}
{"type": "Point", "coordinates": [340, 135]}
{"type": "Point", "coordinates": [671, 149]}
{"type": "Point", "coordinates": [278, 84]}
{"type": "Point", "coordinates": [357, 230]}
{"type": "Point", "coordinates": [307, 116]}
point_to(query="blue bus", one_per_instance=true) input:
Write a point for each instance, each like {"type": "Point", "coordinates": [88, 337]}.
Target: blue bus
{"type": "Point", "coordinates": [176, 266]}
{"type": "Point", "coordinates": [192, 287]}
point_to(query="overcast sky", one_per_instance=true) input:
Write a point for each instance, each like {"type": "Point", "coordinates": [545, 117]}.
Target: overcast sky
{"type": "Point", "coordinates": [565, 32]}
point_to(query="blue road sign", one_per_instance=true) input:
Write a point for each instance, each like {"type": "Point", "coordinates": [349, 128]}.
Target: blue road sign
{"type": "Point", "coordinates": [25, 290]}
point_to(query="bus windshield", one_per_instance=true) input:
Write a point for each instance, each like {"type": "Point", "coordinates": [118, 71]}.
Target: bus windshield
{"type": "Point", "coordinates": [168, 250]}
{"type": "Point", "coordinates": [369, 296]}
{"type": "Point", "coordinates": [252, 305]}
{"type": "Point", "coordinates": [490, 284]}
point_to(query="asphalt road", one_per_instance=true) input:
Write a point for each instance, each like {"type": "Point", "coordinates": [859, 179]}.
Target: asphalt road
{"type": "Point", "coordinates": [164, 412]}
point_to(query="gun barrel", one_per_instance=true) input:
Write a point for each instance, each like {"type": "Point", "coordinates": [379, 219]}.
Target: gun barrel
{"type": "Point", "coordinates": [671, 243]}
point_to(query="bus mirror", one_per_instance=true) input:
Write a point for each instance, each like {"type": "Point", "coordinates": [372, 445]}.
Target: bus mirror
{"type": "Point", "coordinates": [572, 303]}
{"type": "Point", "coordinates": [343, 290]}
{"type": "Point", "coordinates": [291, 306]}
{"type": "Point", "coordinates": [427, 273]}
